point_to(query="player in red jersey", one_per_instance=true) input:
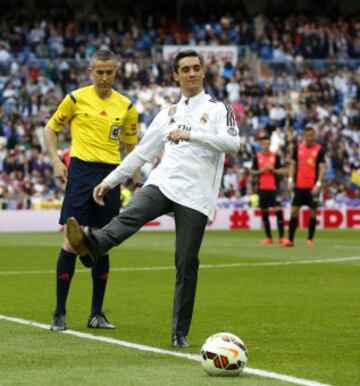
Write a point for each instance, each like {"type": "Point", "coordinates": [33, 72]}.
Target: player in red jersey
{"type": "Point", "coordinates": [306, 175]}
{"type": "Point", "coordinates": [267, 167]}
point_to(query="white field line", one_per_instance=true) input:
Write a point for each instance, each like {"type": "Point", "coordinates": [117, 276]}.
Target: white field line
{"type": "Point", "coordinates": [203, 266]}
{"type": "Point", "coordinates": [156, 350]}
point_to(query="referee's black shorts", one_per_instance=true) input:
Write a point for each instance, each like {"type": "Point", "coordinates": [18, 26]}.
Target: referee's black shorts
{"type": "Point", "coordinates": [305, 197]}
{"type": "Point", "coordinates": [269, 199]}
{"type": "Point", "coordinates": [78, 202]}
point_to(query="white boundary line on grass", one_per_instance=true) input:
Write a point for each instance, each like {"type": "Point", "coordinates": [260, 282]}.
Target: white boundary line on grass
{"type": "Point", "coordinates": [156, 350]}
{"type": "Point", "coordinates": [203, 266]}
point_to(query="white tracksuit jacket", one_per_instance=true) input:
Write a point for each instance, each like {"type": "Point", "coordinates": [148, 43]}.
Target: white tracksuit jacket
{"type": "Point", "coordinates": [189, 172]}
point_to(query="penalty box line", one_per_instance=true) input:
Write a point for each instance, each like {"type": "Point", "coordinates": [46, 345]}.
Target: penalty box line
{"type": "Point", "coordinates": [140, 347]}
{"type": "Point", "coordinates": [203, 266]}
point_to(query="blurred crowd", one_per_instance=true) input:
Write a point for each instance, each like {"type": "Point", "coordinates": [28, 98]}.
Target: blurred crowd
{"type": "Point", "coordinates": [278, 91]}
{"type": "Point", "coordinates": [134, 28]}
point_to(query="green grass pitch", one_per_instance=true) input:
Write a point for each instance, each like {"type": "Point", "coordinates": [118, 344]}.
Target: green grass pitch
{"type": "Point", "coordinates": [296, 319]}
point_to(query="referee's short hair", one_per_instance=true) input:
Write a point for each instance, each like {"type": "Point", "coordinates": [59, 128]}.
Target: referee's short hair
{"type": "Point", "coordinates": [185, 54]}
{"type": "Point", "coordinates": [102, 55]}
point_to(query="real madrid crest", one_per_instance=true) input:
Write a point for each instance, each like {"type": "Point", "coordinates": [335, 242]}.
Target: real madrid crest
{"type": "Point", "coordinates": [204, 118]}
{"type": "Point", "coordinates": [172, 111]}
{"type": "Point", "coordinates": [232, 131]}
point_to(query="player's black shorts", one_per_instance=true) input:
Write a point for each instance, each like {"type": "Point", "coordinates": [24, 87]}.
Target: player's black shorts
{"type": "Point", "coordinates": [269, 199]}
{"type": "Point", "coordinates": [305, 197]}
{"type": "Point", "coordinates": [78, 201]}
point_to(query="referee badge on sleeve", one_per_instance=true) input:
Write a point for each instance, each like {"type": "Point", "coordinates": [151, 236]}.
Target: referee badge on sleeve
{"type": "Point", "coordinates": [115, 132]}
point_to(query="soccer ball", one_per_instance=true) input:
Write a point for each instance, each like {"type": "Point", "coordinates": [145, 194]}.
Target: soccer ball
{"type": "Point", "coordinates": [224, 354]}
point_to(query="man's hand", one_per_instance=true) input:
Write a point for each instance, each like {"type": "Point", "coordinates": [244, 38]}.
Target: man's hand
{"type": "Point", "coordinates": [176, 136]}
{"type": "Point", "coordinates": [99, 193]}
{"type": "Point", "coordinates": [60, 170]}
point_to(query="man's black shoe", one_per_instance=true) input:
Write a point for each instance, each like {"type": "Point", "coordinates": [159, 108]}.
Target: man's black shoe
{"type": "Point", "coordinates": [83, 242]}
{"type": "Point", "coordinates": [99, 321]}
{"type": "Point", "coordinates": [180, 341]}
{"type": "Point", "coordinates": [59, 323]}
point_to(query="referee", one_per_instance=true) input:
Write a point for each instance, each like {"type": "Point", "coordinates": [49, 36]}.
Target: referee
{"type": "Point", "coordinates": [194, 135]}
{"type": "Point", "coordinates": [268, 168]}
{"type": "Point", "coordinates": [307, 170]}
{"type": "Point", "coordinates": [99, 118]}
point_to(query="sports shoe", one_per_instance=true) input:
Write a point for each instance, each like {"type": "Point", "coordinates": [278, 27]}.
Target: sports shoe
{"type": "Point", "coordinates": [99, 321]}
{"type": "Point", "coordinates": [59, 323]}
{"type": "Point", "coordinates": [282, 240]}
{"type": "Point", "coordinates": [310, 243]}
{"type": "Point", "coordinates": [83, 242]}
{"type": "Point", "coordinates": [287, 244]}
{"type": "Point", "coordinates": [180, 341]}
{"type": "Point", "coordinates": [267, 241]}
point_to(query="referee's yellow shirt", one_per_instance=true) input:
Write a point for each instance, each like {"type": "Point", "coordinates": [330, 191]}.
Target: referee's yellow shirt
{"type": "Point", "coordinates": [96, 125]}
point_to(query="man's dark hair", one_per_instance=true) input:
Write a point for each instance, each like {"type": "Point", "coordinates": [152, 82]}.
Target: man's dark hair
{"type": "Point", "coordinates": [308, 128]}
{"type": "Point", "coordinates": [102, 55]}
{"type": "Point", "coordinates": [186, 54]}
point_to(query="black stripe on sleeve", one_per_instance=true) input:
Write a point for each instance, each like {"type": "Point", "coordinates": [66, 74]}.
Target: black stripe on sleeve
{"type": "Point", "coordinates": [130, 106]}
{"type": "Point", "coordinates": [233, 116]}
{"type": "Point", "coordinates": [72, 97]}
{"type": "Point", "coordinates": [227, 114]}
{"type": "Point", "coordinates": [230, 117]}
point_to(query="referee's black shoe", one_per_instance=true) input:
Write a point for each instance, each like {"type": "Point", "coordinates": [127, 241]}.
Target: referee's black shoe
{"type": "Point", "coordinates": [83, 242]}
{"type": "Point", "coordinates": [59, 323]}
{"type": "Point", "coordinates": [99, 321]}
{"type": "Point", "coordinates": [180, 341]}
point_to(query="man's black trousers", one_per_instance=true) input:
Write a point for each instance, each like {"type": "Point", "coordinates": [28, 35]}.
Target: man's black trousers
{"type": "Point", "coordinates": [146, 205]}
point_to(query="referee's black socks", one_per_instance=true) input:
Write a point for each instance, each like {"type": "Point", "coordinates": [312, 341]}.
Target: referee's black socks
{"type": "Point", "coordinates": [64, 272]}
{"type": "Point", "coordinates": [100, 273]}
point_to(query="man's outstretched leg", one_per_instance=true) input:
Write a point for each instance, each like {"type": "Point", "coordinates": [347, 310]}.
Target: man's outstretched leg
{"type": "Point", "coordinates": [146, 205]}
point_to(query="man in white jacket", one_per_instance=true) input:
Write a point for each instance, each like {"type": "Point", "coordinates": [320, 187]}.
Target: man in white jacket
{"type": "Point", "coordinates": [194, 135]}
